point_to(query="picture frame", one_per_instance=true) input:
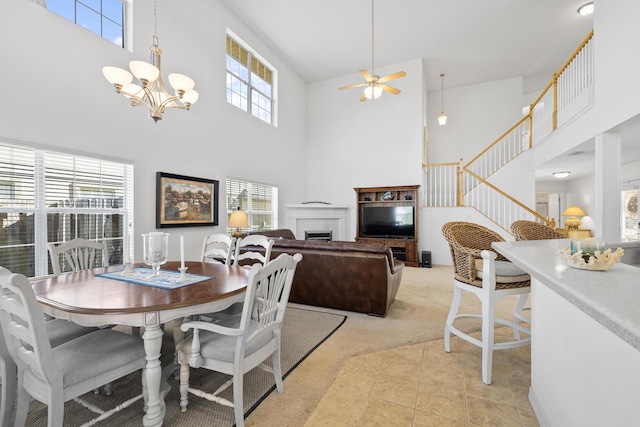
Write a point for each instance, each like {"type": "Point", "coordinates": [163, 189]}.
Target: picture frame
{"type": "Point", "coordinates": [185, 201]}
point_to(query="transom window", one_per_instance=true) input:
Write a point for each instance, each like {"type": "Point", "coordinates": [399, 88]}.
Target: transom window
{"type": "Point", "coordinates": [250, 81]}
{"type": "Point", "coordinates": [52, 197]}
{"type": "Point", "coordinates": [259, 201]}
{"type": "Point", "coordinates": [102, 17]}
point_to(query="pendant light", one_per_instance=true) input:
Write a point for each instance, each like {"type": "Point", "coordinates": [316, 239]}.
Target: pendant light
{"type": "Point", "coordinates": [442, 118]}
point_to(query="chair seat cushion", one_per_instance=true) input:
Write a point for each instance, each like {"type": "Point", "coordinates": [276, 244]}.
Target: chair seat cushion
{"type": "Point", "coordinates": [96, 353]}
{"type": "Point", "coordinates": [61, 331]}
{"type": "Point", "coordinates": [506, 272]}
{"type": "Point", "coordinates": [223, 347]}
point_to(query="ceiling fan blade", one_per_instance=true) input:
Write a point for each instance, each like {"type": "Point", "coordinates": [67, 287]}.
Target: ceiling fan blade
{"type": "Point", "coordinates": [390, 89]}
{"type": "Point", "coordinates": [392, 76]}
{"type": "Point", "coordinates": [368, 77]}
{"type": "Point", "coordinates": [352, 86]}
{"type": "Point", "coordinates": [363, 98]}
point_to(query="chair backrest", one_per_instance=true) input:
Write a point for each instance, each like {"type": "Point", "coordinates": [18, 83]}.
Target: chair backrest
{"type": "Point", "coordinates": [466, 242]}
{"type": "Point", "coordinates": [245, 256]}
{"type": "Point", "coordinates": [24, 329]}
{"type": "Point", "coordinates": [218, 248]}
{"type": "Point", "coordinates": [531, 230]}
{"type": "Point", "coordinates": [267, 296]}
{"type": "Point", "coordinates": [78, 254]}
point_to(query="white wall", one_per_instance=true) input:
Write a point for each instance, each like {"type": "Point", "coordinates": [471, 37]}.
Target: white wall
{"type": "Point", "coordinates": [56, 96]}
{"type": "Point", "coordinates": [364, 144]}
{"type": "Point", "coordinates": [476, 116]}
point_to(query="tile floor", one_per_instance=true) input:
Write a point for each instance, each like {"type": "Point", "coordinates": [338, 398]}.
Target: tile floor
{"type": "Point", "coordinates": [421, 385]}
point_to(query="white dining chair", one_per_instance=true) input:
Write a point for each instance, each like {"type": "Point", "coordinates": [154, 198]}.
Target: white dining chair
{"type": "Point", "coordinates": [245, 253]}
{"type": "Point", "coordinates": [78, 254]}
{"type": "Point", "coordinates": [240, 344]}
{"type": "Point", "coordinates": [59, 331]}
{"type": "Point", "coordinates": [218, 248]}
{"type": "Point", "coordinates": [56, 375]}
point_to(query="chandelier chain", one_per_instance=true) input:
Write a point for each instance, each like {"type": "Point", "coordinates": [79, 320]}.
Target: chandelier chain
{"type": "Point", "coordinates": [155, 18]}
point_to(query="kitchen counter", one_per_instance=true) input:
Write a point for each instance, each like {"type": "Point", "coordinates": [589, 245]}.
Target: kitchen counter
{"type": "Point", "coordinates": [611, 298]}
{"type": "Point", "coordinates": [585, 336]}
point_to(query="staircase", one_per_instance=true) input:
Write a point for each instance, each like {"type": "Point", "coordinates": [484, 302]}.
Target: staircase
{"type": "Point", "coordinates": [569, 93]}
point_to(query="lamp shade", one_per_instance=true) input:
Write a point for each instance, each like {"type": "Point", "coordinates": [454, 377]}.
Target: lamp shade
{"type": "Point", "coordinates": [238, 219]}
{"type": "Point", "coordinates": [573, 210]}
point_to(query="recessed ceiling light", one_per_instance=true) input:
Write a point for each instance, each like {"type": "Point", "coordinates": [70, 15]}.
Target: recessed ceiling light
{"type": "Point", "coordinates": [586, 9]}
{"type": "Point", "coordinates": [562, 174]}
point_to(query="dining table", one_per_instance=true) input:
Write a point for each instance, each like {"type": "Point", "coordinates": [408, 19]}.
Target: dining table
{"type": "Point", "coordinates": [106, 296]}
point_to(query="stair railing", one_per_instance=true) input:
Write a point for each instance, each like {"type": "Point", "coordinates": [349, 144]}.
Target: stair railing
{"type": "Point", "coordinates": [570, 91]}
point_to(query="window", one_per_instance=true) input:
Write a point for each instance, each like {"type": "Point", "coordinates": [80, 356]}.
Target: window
{"type": "Point", "coordinates": [102, 17]}
{"type": "Point", "coordinates": [50, 197]}
{"type": "Point", "coordinates": [259, 201]}
{"type": "Point", "coordinates": [250, 81]}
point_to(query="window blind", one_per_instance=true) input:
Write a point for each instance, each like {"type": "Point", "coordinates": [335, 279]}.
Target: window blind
{"type": "Point", "coordinates": [52, 197]}
{"type": "Point", "coordinates": [259, 201]}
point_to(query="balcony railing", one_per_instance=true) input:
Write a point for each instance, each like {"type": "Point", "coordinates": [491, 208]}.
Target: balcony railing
{"type": "Point", "coordinates": [570, 92]}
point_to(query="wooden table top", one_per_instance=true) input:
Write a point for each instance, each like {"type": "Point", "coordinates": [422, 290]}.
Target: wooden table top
{"type": "Point", "coordinates": [85, 293]}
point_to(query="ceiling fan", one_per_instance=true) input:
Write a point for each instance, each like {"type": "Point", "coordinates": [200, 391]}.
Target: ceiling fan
{"type": "Point", "coordinates": [375, 84]}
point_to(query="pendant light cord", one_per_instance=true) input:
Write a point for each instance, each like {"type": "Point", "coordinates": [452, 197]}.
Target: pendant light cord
{"type": "Point", "coordinates": [442, 92]}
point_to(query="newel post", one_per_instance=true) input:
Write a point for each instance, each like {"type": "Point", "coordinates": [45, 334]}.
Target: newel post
{"type": "Point", "coordinates": [460, 193]}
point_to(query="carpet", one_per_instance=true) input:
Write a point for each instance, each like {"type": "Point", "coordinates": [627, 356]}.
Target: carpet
{"type": "Point", "coordinates": [303, 331]}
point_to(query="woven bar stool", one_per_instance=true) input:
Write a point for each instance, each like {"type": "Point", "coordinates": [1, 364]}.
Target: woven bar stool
{"type": "Point", "coordinates": [530, 230]}
{"type": "Point", "coordinates": [488, 275]}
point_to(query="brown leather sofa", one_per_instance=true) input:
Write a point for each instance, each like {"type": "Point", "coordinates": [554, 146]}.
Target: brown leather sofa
{"type": "Point", "coordinates": [361, 277]}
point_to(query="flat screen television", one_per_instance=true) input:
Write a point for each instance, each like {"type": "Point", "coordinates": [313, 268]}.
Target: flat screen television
{"type": "Point", "coordinates": [387, 221]}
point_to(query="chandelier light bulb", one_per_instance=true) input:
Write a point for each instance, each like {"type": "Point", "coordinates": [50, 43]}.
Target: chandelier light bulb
{"type": "Point", "coordinates": [180, 82]}
{"type": "Point", "coordinates": [117, 76]}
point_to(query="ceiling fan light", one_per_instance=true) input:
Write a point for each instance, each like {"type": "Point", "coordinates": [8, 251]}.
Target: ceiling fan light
{"type": "Point", "coordinates": [372, 92]}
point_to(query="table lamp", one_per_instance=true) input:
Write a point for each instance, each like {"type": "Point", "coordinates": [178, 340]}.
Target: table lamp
{"type": "Point", "coordinates": [238, 219]}
{"type": "Point", "coordinates": [573, 212]}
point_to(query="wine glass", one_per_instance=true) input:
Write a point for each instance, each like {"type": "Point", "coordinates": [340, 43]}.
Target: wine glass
{"type": "Point", "coordinates": [155, 247]}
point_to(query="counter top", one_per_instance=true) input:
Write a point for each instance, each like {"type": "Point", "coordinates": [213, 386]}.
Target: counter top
{"type": "Point", "coordinates": [612, 297]}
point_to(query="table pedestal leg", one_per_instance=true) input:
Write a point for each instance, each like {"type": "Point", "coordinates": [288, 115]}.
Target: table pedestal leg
{"type": "Point", "coordinates": [155, 406]}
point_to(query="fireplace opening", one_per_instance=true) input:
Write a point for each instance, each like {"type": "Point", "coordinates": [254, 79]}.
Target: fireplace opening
{"type": "Point", "coordinates": [323, 235]}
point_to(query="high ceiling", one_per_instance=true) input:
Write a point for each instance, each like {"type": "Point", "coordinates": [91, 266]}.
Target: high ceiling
{"type": "Point", "coordinates": [470, 41]}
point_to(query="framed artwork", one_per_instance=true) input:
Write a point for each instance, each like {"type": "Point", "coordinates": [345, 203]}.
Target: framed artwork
{"type": "Point", "coordinates": [184, 201]}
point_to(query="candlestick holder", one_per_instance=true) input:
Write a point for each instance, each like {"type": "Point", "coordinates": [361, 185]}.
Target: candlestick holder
{"type": "Point", "coordinates": [183, 274]}
{"type": "Point", "coordinates": [127, 268]}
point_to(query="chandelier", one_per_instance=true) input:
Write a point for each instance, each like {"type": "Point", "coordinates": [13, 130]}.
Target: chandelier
{"type": "Point", "coordinates": [151, 91]}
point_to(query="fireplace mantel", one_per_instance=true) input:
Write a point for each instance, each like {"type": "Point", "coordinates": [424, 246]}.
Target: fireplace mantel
{"type": "Point", "coordinates": [317, 216]}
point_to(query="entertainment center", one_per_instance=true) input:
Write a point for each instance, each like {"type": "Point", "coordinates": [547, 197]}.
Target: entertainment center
{"type": "Point", "coordinates": [389, 215]}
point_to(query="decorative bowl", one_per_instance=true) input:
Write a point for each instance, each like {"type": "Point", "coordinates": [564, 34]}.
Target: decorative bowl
{"type": "Point", "coordinates": [596, 261]}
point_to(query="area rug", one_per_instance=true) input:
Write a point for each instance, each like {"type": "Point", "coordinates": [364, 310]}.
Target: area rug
{"type": "Point", "coordinates": [303, 331]}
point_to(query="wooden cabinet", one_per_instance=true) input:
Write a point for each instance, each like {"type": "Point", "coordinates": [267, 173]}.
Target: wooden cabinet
{"type": "Point", "coordinates": [389, 215]}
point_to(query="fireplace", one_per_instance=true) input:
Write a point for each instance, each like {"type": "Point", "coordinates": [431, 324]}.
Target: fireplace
{"type": "Point", "coordinates": [322, 235]}
{"type": "Point", "coordinates": [317, 217]}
